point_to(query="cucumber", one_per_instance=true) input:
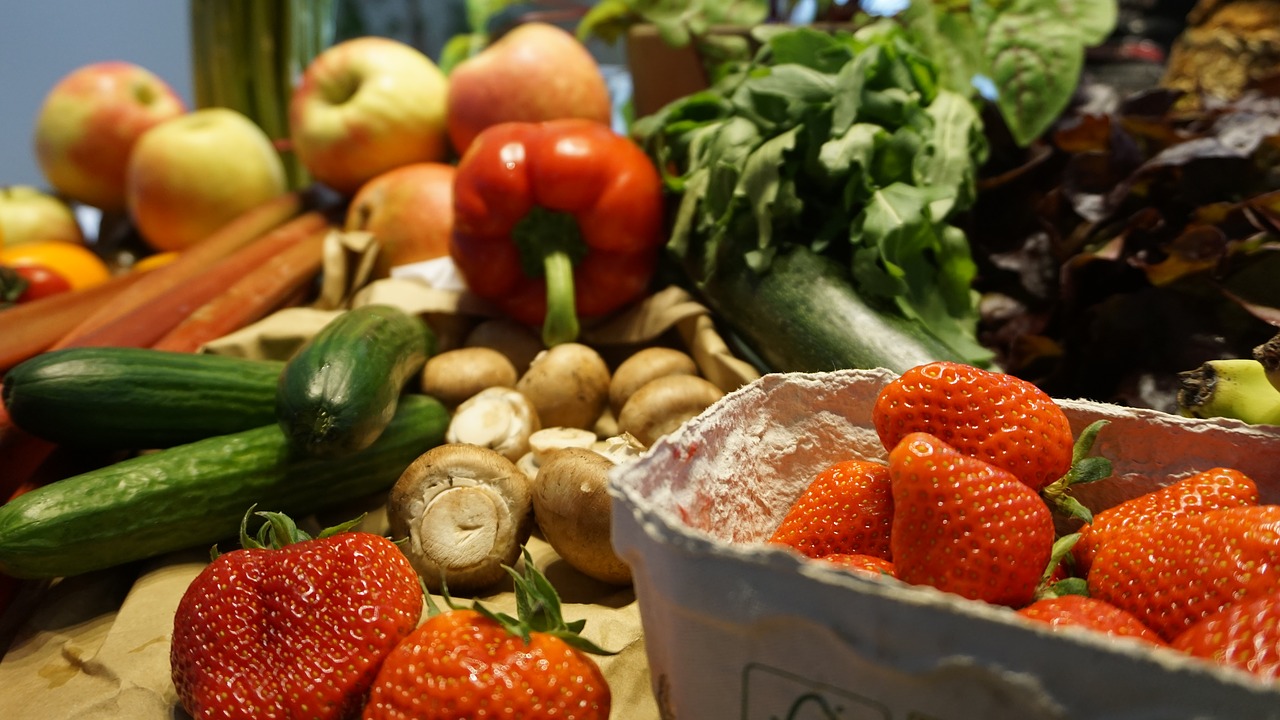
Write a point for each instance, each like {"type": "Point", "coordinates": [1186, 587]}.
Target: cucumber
{"type": "Point", "coordinates": [806, 316]}
{"type": "Point", "coordinates": [117, 398]}
{"type": "Point", "coordinates": [338, 392]}
{"type": "Point", "coordinates": [196, 494]}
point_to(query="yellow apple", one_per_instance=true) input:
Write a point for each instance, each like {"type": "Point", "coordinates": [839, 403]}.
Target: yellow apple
{"type": "Point", "coordinates": [28, 214]}
{"type": "Point", "coordinates": [365, 106]}
{"type": "Point", "coordinates": [535, 72]}
{"type": "Point", "coordinates": [89, 122]}
{"type": "Point", "coordinates": [192, 174]}
{"type": "Point", "coordinates": [409, 211]}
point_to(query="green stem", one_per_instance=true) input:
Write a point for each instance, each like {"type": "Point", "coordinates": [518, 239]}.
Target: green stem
{"type": "Point", "coordinates": [561, 323]}
{"type": "Point", "coordinates": [550, 244]}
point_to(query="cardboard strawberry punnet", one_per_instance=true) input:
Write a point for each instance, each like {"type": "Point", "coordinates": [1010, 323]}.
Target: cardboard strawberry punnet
{"type": "Point", "coordinates": [733, 621]}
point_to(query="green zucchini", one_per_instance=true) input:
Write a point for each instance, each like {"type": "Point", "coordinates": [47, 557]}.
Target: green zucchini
{"type": "Point", "coordinates": [338, 392]}
{"type": "Point", "coordinates": [196, 494]}
{"type": "Point", "coordinates": [806, 316]}
{"type": "Point", "coordinates": [117, 398]}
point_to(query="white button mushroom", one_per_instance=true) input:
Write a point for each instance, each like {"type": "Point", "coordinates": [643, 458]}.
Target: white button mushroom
{"type": "Point", "coordinates": [500, 418]}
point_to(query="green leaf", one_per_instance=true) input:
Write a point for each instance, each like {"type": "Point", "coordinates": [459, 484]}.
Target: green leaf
{"type": "Point", "coordinates": [459, 48]}
{"type": "Point", "coordinates": [607, 20]}
{"type": "Point", "coordinates": [781, 97]}
{"type": "Point", "coordinates": [1035, 64]}
{"type": "Point", "coordinates": [481, 12]}
{"type": "Point", "coordinates": [814, 49]}
{"type": "Point", "coordinates": [761, 185]}
{"type": "Point", "coordinates": [679, 21]}
{"type": "Point", "coordinates": [946, 161]}
{"type": "Point", "coordinates": [952, 40]}
{"type": "Point", "coordinates": [927, 264]}
{"type": "Point", "coordinates": [850, 160]}
{"type": "Point", "coordinates": [1092, 21]}
{"type": "Point", "coordinates": [1071, 586]}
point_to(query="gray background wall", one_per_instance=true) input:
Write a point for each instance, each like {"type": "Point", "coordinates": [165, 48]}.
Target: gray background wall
{"type": "Point", "coordinates": [42, 41]}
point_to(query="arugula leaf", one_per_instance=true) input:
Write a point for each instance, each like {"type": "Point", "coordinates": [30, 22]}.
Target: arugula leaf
{"type": "Point", "coordinates": [946, 161]}
{"type": "Point", "coordinates": [1093, 20]}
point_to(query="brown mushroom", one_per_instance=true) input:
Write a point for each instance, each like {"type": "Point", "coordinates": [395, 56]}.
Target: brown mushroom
{"type": "Point", "coordinates": [463, 511]}
{"type": "Point", "coordinates": [519, 343]}
{"type": "Point", "coordinates": [568, 384]}
{"type": "Point", "coordinates": [454, 376]}
{"type": "Point", "coordinates": [572, 506]}
{"type": "Point", "coordinates": [645, 365]}
{"type": "Point", "coordinates": [664, 404]}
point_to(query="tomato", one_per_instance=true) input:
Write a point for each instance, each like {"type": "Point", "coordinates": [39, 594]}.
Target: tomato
{"type": "Point", "coordinates": [80, 266]}
{"type": "Point", "coordinates": [41, 282]}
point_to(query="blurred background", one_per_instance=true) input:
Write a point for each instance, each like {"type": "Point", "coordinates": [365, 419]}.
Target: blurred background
{"type": "Point", "coordinates": [41, 42]}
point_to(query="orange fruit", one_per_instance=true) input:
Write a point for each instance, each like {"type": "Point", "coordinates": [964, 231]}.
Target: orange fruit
{"type": "Point", "coordinates": [80, 266]}
{"type": "Point", "coordinates": [153, 261]}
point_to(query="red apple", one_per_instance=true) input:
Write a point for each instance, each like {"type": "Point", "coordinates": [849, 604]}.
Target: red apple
{"type": "Point", "coordinates": [365, 106]}
{"type": "Point", "coordinates": [535, 72]}
{"type": "Point", "coordinates": [28, 214]}
{"type": "Point", "coordinates": [191, 175]}
{"type": "Point", "coordinates": [88, 124]}
{"type": "Point", "coordinates": [409, 210]}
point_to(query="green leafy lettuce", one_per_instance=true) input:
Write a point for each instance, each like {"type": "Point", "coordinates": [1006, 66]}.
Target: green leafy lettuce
{"type": "Point", "coordinates": [841, 141]}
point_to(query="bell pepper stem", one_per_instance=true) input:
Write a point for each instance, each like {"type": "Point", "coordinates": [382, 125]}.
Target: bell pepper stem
{"type": "Point", "coordinates": [561, 322]}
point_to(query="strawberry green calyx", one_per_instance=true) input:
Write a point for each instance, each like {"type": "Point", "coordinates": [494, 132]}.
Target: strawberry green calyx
{"type": "Point", "coordinates": [1061, 552]}
{"type": "Point", "coordinates": [278, 531]}
{"type": "Point", "coordinates": [1085, 468]}
{"type": "Point", "coordinates": [537, 610]}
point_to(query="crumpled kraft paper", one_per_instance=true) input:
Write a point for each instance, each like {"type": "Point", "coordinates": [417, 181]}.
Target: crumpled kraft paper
{"type": "Point", "coordinates": [97, 645]}
{"type": "Point", "coordinates": [451, 313]}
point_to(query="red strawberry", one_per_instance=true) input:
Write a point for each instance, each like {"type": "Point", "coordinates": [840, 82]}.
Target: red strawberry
{"type": "Point", "coordinates": [859, 563]}
{"type": "Point", "coordinates": [291, 626]}
{"type": "Point", "coordinates": [847, 508]}
{"type": "Point", "coordinates": [998, 418]}
{"type": "Point", "coordinates": [1090, 613]}
{"type": "Point", "coordinates": [964, 525]}
{"type": "Point", "coordinates": [1172, 574]}
{"type": "Point", "coordinates": [472, 663]}
{"type": "Point", "coordinates": [1244, 635]}
{"type": "Point", "coordinates": [1202, 492]}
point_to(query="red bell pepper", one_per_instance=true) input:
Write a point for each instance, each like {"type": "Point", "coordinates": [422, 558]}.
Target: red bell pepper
{"type": "Point", "coordinates": [556, 220]}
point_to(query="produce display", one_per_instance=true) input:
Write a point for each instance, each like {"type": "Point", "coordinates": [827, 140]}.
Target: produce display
{"type": "Point", "coordinates": [462, 303]}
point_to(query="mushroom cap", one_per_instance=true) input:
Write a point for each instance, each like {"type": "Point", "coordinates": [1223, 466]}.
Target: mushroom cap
{"type": "Point", "coordinates": [464, 512]}
{"type": "Point", "coordinates": [568, 384]}
{"type": "Point", "coordinates": [572, 507]}
{"type": "Point", "coordinates": [501, 418]}
{"type": "Point", "coordinates": [664, 404]}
